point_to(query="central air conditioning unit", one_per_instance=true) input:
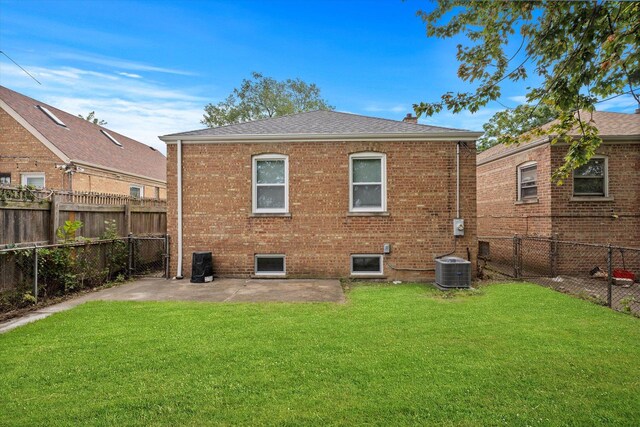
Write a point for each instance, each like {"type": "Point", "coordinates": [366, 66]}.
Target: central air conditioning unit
{"type": "Point", "coordinates": [453, 273]}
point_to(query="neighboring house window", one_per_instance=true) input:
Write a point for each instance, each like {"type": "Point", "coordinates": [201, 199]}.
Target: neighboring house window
{"type": "Point", "coordinates": [366, 264]}
{"type": "Point", "coordinates": [270, 183]}
{"type": "Point", "coordinates": [528, 181]}
{"type": "Point", "coordinates": [270, 264]}
{"type": "Point", "coordinates": [367, 182]}
{"type": "Point", "coordinates": [34, 179]}
{"type": "Point", "coordinates": [136, 191]}
{"type": "Point", "coordinates": [590, 179]}
{"type": "Point", "coordinates": [5, 178]}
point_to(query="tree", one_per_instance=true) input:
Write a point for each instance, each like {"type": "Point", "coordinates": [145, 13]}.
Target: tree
{"type": "Point", "coordinates": [263, 97]}
{"type": "Point", "coordinates": [509, 125]}
{"type": "Point", "coordinates": [91, 117]}
{"type": "Point", "coordinates": [582, 51]}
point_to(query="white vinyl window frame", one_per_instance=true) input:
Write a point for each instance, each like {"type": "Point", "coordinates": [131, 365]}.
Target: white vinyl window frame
{"type": "Point", "coordinates": [139, 187]}
{"type": "Point", "coordinates": [605, 178]}
{"type": "Point", "coordinates": [383, 176]}
{"type": "Point", "coordinates": [254, 183]}
{"type": "Point", "coordinates": [380, 271]}
{"type": "Point", "coordinates": [24, 178]}
{"type": "Point", "coordinates": [522, 167]}
{"type": "Point", "coordinates": [256, 272]}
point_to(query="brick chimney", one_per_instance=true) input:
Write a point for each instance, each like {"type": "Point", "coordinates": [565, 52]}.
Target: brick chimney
{"type": "Point", "coordinates": [410, 119]}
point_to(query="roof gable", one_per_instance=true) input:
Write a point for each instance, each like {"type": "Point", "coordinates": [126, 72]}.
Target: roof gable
{"type": "Point", "coordinates": [84, 142]}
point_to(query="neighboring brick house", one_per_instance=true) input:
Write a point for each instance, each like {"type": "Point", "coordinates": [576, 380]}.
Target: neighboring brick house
{"type": "Point", "coordinates": [598, 203]}
{"type": "Point", "coordinates": [46, 147]}
{"type": "Point", "coordinates": [319, 194]}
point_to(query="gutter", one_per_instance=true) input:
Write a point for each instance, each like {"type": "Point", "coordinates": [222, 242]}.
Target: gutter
{"type": "Point", "coordinates": [119, 171]}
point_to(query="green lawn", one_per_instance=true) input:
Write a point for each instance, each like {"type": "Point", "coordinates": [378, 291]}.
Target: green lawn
{"type": "Point", "coordinates": [513, 354]}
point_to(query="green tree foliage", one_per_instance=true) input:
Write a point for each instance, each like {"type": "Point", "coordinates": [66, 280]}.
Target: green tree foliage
{"type": "Point", "coordinates": [91, 117]}
{"type": "Point", "coordinates": [261, 97]}
{"type": "Point", "coordinates": [583, 51]}
{"type": "Point", "coordinates": [507, 126]}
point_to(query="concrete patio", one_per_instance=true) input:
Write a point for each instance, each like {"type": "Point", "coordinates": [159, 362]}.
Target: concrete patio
{"type": "Point", "coordinates": [221, 290]}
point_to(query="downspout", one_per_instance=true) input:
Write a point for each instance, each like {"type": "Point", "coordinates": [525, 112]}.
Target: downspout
{"type": "Point", "coordinates": [458, 179]}
{"type": "Point", "coordinates": [179, 184]}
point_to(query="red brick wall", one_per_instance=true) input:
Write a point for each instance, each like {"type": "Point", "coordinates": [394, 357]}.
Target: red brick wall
{"type": "Point", "coordinates": [595, 221]}
{"type": "Point", "coordinates": [320, 236]}
{"type": "Point", "coordinates": [499, 212]}
{"type": "Point", "coordinates": [21, 152]}
{"type": "Point", "coordinates": [598, 220]}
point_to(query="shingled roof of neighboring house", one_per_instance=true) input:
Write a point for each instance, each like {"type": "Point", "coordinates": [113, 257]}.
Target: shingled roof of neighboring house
{"type": "Point", "coordinates": [319, 123]}
{"type": "Point", "coordinates": [83, 142]}
{"type": "Point", "coordinates": [610, 126]}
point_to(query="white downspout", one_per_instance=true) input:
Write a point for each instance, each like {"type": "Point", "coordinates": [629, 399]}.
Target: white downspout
{"type": "Point", "coordinates": [458, 180]}
{"type": "Point", "coordinates": [179, 184]}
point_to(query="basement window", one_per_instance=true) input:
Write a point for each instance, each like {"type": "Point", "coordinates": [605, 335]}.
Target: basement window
{"type": "Point", "coordinates": [270, 264]}
{"type": "Point", "coordinates": [51, 116]}
{"type": "Point", "coordinates": [108, 135]}
{"type": "Point", "coordinates": [366, 264]}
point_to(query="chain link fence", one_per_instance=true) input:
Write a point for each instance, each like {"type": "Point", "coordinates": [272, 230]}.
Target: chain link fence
{"type": "Point", "coordinates": [35, 273]}
{"type": "Point", "coordinates": [605, 274]}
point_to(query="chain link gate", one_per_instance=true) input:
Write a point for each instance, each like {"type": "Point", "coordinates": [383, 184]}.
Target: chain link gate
{"type": "Point", "coordinates": [148, 256]}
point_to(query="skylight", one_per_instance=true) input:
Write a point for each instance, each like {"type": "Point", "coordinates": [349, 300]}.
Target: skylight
{"type": "Point", "coordinates": [108, 135]}
{"type": "Point", "coordinates": [52, 116]}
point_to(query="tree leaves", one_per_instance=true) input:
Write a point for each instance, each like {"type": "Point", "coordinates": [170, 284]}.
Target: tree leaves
{"type": "Point", "coordinates": [263, 97]}
{"type": "Point", "coordinates": [583, 51]}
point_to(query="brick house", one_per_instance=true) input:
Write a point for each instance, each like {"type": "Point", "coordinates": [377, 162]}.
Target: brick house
{"type": "Point", "coordinates": [599, 203]}
{"type": "Point", "coordinates": [321, 194]}
{"type": "Point", "coordinates": [43, 146]}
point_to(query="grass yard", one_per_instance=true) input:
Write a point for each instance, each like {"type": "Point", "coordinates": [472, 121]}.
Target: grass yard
{"type": "Point", "coordinates": [514, 354]}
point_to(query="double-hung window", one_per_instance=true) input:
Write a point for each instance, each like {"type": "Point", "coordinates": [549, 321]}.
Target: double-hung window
{"type": "Point", "coordinates": [528, 181]}
{"type": "Point", "coordinates": [367, 182]}
{"type": "Point", "coordinates": [270, 183]}
{"type": "Point", "coordinates": [590, 179]}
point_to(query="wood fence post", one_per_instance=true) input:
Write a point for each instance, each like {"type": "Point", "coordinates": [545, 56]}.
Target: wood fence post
{"type": "Point", "coordinates": [127, 218]}
{"type": "Point", "coordinates": [54, 218]}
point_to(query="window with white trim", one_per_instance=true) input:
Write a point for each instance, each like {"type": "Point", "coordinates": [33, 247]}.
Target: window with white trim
{"type": "Point", "coordinates": [270, 183]}
{"type": "Point", "coordinates": [33, 179]}
{"type": "Point", "coordinates": [366, 264]}
{"type": "Point", "coordinates": [136, 191]}
{"type": "Point", "coordinates": [590, 179]}
{"type": "Point", "coordinates": [367, 182]}
{"type": "Point", "coordinates": [270, 264]}
{"type": "Point", "coordinates": [528, 181]}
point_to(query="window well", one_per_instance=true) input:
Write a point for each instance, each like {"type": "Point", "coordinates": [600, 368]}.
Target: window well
{"type": "Point", "coordinates": [270, 264]}
{"type": "Point", "coordinates": [51, 116]}
{"type": "Point", "coordinates": [108, 135]}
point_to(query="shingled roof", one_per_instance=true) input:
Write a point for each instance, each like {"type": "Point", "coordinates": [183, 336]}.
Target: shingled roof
{"type": "Point", "coordinates": [319, 123]}
{"type": "Point", "coordinates": [610, 126]}
{"type": "Point", "coordinates": [83, 142]}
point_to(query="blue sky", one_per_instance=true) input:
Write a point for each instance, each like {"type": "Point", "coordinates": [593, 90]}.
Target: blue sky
{"type": "Point", "coordinates": [149, 67]}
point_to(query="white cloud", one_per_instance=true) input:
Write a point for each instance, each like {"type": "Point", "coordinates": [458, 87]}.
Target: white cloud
{"type": "Point", "coordinates": [131, 75]}
{"type": "Point", "coordinates": [621, 104]}
{"type": "Point", "coordinates": [379, 108]}
{"type": "Point", "coordinates": [139, 109]}
{"type": "Point", "coordinates": [120, 63]}
{"type": "Point", "coordinates": [462, 120]}
{"type": "Point", "coordinates": [519, 99]}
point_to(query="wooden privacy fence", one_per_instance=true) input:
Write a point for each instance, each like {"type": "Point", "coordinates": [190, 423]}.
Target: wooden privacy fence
{"type": "Point", "coordinates": [37, 218]}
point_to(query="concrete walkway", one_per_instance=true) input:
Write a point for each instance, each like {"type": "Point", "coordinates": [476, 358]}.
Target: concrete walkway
{"type": "Point", "coordinates": [221, 290]}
